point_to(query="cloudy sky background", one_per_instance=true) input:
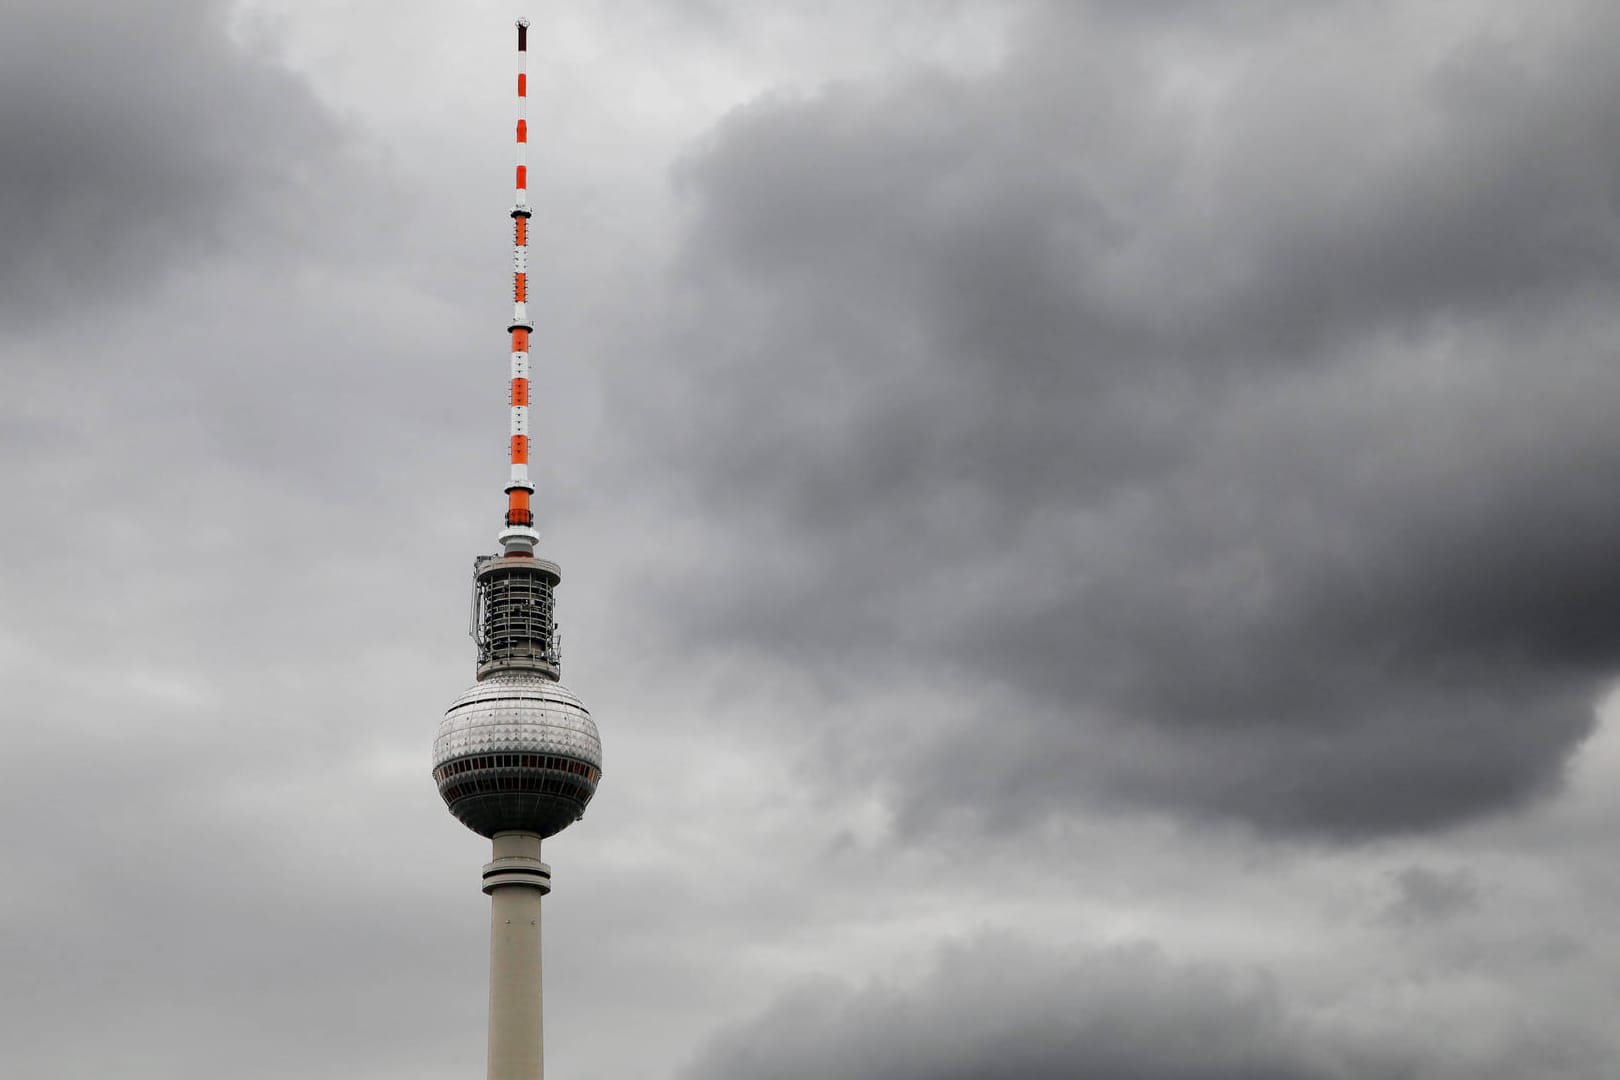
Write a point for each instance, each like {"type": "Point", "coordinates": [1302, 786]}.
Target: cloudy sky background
{"type": "Point", "coordinates": [1088, 530]}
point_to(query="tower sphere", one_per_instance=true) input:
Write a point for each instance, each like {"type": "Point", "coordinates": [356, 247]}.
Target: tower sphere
{"type": "Point", "coordinates": [517, 752]}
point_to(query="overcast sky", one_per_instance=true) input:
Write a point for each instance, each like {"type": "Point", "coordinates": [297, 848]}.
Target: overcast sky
{"type": "Point", "coordinates": [1088, 528]}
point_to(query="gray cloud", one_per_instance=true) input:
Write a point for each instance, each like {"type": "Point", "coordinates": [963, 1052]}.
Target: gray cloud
{"type": "Point", "coordinates": [135, 136]}
{"type": "Point", "coordinates": [1232, 419]}
{"type": "Point", "coordinates": [1424, 894]}
{"type": "Point", "coordinates": [1002, 1008]}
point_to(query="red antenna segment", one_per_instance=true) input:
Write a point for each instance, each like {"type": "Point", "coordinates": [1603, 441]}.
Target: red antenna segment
{"type": "Point", "coordinates": [519, 537]}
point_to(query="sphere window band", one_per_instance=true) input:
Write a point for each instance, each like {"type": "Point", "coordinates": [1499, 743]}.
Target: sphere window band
{"type": "Point", "coordinates": [523, 761]}
{"type": "Point", "coordinates": [530, 785]}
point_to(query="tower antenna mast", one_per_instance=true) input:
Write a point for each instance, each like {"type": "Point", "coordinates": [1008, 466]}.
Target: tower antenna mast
{"type": "Point", "coordinates": [519, 537]}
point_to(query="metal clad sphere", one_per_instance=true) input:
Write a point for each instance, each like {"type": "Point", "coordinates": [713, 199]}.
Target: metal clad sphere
{"type": "Point", "coordinates": [517, 752]}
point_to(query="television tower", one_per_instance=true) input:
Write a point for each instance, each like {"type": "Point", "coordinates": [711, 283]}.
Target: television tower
{"type": "Point", "coordinates": [517, 757]}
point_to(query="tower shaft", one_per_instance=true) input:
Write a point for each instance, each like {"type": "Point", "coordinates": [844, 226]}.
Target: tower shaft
{"type": "Point", "coordinates": [515, 880]}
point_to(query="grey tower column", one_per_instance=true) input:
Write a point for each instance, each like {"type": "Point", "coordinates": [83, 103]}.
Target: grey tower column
{"type": "Point", "coordinates": [515, 880]}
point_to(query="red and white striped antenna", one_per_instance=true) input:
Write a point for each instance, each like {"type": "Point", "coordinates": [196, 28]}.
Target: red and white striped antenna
{"type": "Point", "coordinates": [519, 537]}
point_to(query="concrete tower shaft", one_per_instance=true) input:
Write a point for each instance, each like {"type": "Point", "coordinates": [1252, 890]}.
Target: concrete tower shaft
{"type": "Point", "coordinates": [515, 880]}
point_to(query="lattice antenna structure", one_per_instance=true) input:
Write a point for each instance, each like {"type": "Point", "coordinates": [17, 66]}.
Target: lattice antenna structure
{"type": "Point", "coordinates": [517, 757]}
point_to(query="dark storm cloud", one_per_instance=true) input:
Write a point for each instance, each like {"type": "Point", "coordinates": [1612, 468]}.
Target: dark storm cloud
{"type": "Point", "coordinates": [1002, 1009]}
{"type": "Point", "coordinates": [134, 135]}
{"type": "Point", "coordinates": [1222, 403]}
